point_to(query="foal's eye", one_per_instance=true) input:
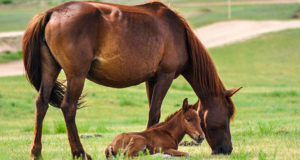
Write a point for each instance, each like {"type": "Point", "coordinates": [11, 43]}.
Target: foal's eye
{"type": "Point", "coordinates": [189, 120]}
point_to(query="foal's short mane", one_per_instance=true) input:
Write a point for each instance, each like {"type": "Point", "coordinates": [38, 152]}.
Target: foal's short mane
{"type": "Point", "coordinates": [167, 119]}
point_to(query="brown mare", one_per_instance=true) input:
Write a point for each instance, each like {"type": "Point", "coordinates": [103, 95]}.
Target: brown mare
{"type": "Point", "coordinates": [121, 46]}
{"type": "Point", "coordinates": [163, 137]}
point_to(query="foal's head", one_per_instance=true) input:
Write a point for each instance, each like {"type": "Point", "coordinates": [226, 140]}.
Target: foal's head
{"type": "Point", "coordinates": [191, 121]}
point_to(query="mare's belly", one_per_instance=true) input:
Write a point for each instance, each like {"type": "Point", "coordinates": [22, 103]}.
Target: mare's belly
{"type": "Point", "coordinates": [129, 53]}
{"type": "Point", "coordinates": [121, 71]}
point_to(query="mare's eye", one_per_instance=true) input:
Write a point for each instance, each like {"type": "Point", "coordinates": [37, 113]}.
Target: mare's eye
{"type": "Point", "coordinates": [189, 120]}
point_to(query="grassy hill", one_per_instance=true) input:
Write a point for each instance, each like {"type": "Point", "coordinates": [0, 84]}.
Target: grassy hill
{"type": "Point", "coordinates": [266, 125]}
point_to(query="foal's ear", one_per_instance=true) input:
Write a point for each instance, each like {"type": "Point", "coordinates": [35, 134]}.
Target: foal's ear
{"type": "Point", "coordinates": [185, 104]}
{"type": "Point", "coordinates": [231, 92]}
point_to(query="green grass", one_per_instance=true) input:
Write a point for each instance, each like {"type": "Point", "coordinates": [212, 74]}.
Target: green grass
{"type": "Point", "coordinates": [266, 124]}
{"type": "Point", "coordinates": [9, 56]}
{"type": "Point", "coordinates": [200, 16]}
{"type": "Point", "coordinates": [17, 16]}
{"type": "Point", "coordinates": [193, 1]}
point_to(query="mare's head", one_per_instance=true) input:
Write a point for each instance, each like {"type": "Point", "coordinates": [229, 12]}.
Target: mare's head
{"type": "Point", "coordinates": [191, 121]}
{"type": "Point", "coordinates": [216, 113]}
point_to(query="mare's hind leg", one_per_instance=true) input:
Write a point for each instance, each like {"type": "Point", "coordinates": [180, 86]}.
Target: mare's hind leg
{"type": "Point", "coordinates": [69, 106]}
{"type": "Point", "coordinates": [160, 88]}
{"type": "Point", "coordinates": [50, 71]}
{"type": "Point", "coordinates": [136, 144]}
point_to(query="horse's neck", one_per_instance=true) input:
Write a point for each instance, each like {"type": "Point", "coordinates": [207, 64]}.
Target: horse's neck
{"type": "Point", "coordinates": [174, 128]}
{"type": "Point", "coordinates": [202, 92]}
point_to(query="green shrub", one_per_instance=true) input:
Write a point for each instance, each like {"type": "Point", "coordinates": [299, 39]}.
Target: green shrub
{"type": "Point", "coordinates": [6, 1]}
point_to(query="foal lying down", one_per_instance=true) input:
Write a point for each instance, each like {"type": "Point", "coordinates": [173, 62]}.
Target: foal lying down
{"type": "Point", "coordinates": [163, 137]}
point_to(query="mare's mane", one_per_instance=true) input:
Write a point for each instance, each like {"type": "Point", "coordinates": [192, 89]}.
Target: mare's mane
{"type": "Point", "coordinates": [202, 74]}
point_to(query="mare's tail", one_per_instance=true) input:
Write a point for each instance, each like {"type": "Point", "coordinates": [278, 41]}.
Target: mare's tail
{"type": "Point", "coordinates": [32, 42]}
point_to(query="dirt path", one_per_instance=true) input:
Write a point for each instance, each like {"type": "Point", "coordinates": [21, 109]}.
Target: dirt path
{"type": "Point", "coordinates": [12, 68]}
{"type": "Point", "coordinates": [213, 35]}
{"type": "Point", "coordinates": [9, 38]}
{"type": "Point", "coordinates": [198, 4]}
{"type": "Point", "coordinates": [221, 33]}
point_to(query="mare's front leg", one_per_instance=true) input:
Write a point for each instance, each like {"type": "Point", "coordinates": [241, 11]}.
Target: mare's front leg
{"type": "Point", "coordinates": [149, 90]}
{"type": "Point", "coordinates": [175, 152]}
{"type": "Point", "coordinates": [159, 89]}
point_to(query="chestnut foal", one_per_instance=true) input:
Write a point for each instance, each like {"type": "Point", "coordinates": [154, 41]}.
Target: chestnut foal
{"type": "Point", "coordinates": [163, 137]}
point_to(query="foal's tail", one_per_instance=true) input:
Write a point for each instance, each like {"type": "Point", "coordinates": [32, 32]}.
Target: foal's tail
{"type": "Point", "coordinates": [32, 42]}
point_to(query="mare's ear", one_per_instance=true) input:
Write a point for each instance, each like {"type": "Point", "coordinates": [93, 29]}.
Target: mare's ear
{"type": "Point", "coordinates": [231, 92]}
{"type": "Point", "coordinates": [185, 104]}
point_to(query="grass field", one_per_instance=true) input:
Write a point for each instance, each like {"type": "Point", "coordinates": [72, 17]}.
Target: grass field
{"type": "Point", "coordinates": [200, 16]}
{"type": "Point", "coordinates": [266, 125]}
{"type": "Point", "coordinates": [197, 16]}
{"type": "Point", "coordinates": [10, 56]}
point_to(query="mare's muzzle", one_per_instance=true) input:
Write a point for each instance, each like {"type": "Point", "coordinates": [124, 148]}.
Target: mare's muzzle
{"type": "Point", "coordinates": [222, 149]}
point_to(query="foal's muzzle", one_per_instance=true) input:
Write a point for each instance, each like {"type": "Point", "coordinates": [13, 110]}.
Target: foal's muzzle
{"type": "Point", "coordinates": [200, 139]}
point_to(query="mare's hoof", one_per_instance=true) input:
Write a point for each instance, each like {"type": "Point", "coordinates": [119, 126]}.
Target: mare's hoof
{"type": "Point", "coordinates": [35, 155]}
{"type": "Point", "coordinates": [81, 157]}
{"type": "Point", "coordinates": [88, 157]}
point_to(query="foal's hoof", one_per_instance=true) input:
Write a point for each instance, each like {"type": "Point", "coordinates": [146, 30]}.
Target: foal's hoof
{"type": "Point", "coordinates": [185, 154]}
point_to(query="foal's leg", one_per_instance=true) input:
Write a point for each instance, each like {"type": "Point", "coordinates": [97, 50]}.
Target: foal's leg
{"type": "Point", "coordinates": [135, 145]}
{"type": "Point", "coordinates": [69, 106]}
{"type": "Point", "coordinates": [161, 86]}
{"type": "Point", "coordinates": [50, 72]}
{"type": "Point", "coordinates": [175, 152]}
